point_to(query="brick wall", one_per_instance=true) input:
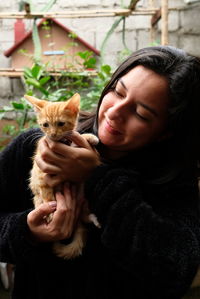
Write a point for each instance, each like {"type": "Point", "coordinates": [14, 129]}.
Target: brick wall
{"type": "Point", "coordinates": [184, 30]}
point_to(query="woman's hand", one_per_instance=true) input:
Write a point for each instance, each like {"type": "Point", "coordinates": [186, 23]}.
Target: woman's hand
{"type": "Point", "coordinates": [63, 163]}
{"type": "Point", "coordinates": [65, 209]}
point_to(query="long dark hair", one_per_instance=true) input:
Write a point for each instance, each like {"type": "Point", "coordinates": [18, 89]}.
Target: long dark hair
{"type": "Point", "coordinates": [182, 71]}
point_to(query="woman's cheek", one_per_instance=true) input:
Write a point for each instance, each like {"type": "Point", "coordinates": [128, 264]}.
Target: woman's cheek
{"type": "Point", "coordinates": [105, 105]}
{"type": "Point", "coordinates": [108, 100]}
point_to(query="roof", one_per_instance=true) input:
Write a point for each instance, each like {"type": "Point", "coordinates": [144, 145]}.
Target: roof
{"type": "Point", "coordinates": [9, 52]}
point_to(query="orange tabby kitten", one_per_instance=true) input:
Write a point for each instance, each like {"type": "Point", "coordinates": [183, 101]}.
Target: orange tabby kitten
{"type": "Point", "coordinates": [56, 120]}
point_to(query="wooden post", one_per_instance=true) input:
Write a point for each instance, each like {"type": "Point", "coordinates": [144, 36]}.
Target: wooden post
{"type": "Point", "coordinates": [164, 24]}
{"type": "Point", "coordinates": [154, 20]}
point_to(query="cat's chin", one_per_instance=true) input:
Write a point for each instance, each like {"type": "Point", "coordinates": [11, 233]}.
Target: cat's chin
{"type": "Point", "coordinates": [63, 139]}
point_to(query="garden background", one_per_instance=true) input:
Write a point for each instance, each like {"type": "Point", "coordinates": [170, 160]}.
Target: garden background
{"type": "Point", "coordinates": [114, 36]}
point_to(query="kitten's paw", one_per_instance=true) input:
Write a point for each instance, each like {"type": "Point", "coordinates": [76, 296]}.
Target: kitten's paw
{"type": "Point", "coordinates": [92, 139]}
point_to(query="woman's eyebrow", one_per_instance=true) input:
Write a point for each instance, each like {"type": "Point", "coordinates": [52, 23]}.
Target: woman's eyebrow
{"type": "Point", "coordinates": [122, 83]}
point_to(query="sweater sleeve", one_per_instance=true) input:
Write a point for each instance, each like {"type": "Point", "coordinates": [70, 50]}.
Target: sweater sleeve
{"type": "Point", "coordinates": [15, 198]}
{"type": "Point", "coordinates": [152, 242]}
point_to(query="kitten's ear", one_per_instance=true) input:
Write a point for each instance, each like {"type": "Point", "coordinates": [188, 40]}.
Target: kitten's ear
{"type": "Point", "coordinates": [73, 104]}
{"type": "Point", "coordinates": [37, 103]}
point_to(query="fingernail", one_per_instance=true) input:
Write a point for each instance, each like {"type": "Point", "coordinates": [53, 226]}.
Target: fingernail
{"type": "Point", "coordinates": [52, 204]}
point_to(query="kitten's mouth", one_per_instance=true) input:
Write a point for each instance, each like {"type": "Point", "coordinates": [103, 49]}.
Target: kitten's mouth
{"type": "Point", "coordinates": [63, 139]}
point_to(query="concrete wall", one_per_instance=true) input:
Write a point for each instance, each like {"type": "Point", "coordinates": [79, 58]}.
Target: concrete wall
{"type": "Point", "coordinates": [184, 31]}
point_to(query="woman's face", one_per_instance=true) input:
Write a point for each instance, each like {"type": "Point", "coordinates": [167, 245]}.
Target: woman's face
{"type": "Point", "coordinates": [135, 112]}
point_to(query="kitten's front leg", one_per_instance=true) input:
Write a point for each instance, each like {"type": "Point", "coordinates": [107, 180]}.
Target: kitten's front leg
{"type": "Point", "coordinates": [37, 200]}
{"type": "Point", "coordinates": [42, 192]}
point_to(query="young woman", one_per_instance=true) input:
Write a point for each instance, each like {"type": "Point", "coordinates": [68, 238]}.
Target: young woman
{"type": "Point", "coordinates": [141, 183]}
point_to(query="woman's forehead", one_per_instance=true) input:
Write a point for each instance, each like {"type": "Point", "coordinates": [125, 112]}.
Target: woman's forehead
{"type": "Point", "coordinates": [145, 85]}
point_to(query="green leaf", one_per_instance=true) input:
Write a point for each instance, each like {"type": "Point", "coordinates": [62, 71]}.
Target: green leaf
{"type": "Point", "coordinates": [36, 71]}
{"type": "Point", "coordinates": [27, 72]}
{"type": "Point", "coordinates": [18, 106]}
{"type": "Point", "coordinates": [58, 95]}
{"type": "Point", "coordinates": [106, 69]}
{"type": "Point", "coordinates": [72, 35]}
{"type": "Point", "coordinates": [29, 92]}
{"type": "Point", "coordinates": [85, 55]}
{"type": "Point", "coordinates": [81, 54]}
{"type": "Point", "coordinates": [44, 91]}
{"type": "Point", "coordinates": [90, 63]}
{"type": "Point", "coordinates": [9, 129]}
{"type": "Point", "coordinates": [101, 76]}
{"type": "Point", "coordinates": [23, 51]}
{"type": "Point", "coordinates": [33, 82]}
{"type": "Point", "coordinates": [44, 80]}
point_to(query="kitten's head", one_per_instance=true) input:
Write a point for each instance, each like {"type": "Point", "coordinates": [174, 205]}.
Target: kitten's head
{"type": "Point", "coordinates": [56, 118]}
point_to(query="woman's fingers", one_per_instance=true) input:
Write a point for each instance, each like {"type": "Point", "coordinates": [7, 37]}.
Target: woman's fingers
{"type": "Point", "coordinates": [46, 153]}
{"type": "Point", "coordinates": [58, 148]}
{"type": "Point", "coordinates": [66, 210]}
{"type": "Point", "coordinates": [40, 230]}
{"type": "Point", "coordinates": [66, 163]}
{"type": "Point", "coordinates": [47, 167]}
{"type": "Point", "coordinates": [61, 210]}
{"type": "Point", "coordinates": [37, 216]}
{"type": "Point", "coordinates": [77, 139]}
{"type": "Point", "coordinates": [69, 195]}
{"type": "Point", "coordinates": [64, 215]}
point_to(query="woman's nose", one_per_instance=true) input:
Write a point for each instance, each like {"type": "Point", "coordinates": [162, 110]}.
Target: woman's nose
{"type": "Point", "coordinates": [117, 111]}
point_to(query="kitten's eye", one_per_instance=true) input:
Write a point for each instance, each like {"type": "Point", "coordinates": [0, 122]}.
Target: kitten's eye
{"type": "Point", "coordinates": [60, 124]}
{"type": "Point", "coordinates": [46, 125]}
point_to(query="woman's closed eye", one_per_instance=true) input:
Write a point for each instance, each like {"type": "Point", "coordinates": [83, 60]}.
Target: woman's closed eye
{"type": "Point", "coordinates": [119, 93]}
{"type": "Point", "coordinates": [143, 113]}
{"type": "Point", "coordinates": [141, 116]}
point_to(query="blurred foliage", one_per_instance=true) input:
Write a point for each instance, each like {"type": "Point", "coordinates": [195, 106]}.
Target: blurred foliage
{"type": "Point", "coordinates": [39, 82]}
{"type": "Point", "coordinates": [82, 75]}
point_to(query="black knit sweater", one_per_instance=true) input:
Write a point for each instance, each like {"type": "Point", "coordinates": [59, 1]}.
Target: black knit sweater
{"type": "Point", "coordinates": [148, 246]}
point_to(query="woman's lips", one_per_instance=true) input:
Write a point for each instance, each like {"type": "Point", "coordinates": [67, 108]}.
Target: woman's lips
{"type": "Point", "coordinates": [111, 130]}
